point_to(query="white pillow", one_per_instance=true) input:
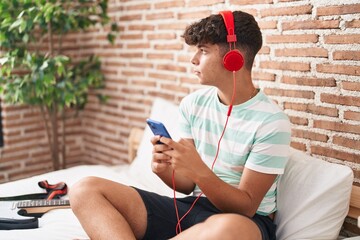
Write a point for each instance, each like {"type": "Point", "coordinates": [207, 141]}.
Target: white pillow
{"type": "Point", "coordinates": [313, 198]}
{"type": "Point", "coordinates": [167, 113]}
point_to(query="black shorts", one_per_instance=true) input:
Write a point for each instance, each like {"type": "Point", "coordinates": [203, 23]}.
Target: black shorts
{"type": "Point", "coordinates": [161, 222]}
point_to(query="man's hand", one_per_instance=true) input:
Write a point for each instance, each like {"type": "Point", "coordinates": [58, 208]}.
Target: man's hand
{"type": "Point", "coordinates": [160, 161]}
{"type": "Point", "coordinates": [183, 158]}
{"type": "Point", "coordinates": [163, 163]}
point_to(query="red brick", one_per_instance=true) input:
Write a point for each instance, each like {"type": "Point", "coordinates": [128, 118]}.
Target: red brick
{"type": "Point", "coordinates": [138, 45]}
{"type": "Point", "coordinates": [337, 154]}
{"type": "Point", "coordinates": [172, 26]}
{"type": "Point", "coordinates": [131, 36]}
{"type": "Point", "coordinates": [353, 24]}
{"type": "Point", "coordinates": [175, 88]}
{"type": "Point", "coordinates": [292, 66]}
{"type": "Point", "coordinates": [249, 2]}
{"type": "Point", "coordinates": [184, 58]}
{"type": "Point", "coordinates": [299, 121]}
{"type": "Point", "coordinates": [163, 15]}
{"type": "Point", "coordinates": [251, 11]}
{"type": "Point", "coordinates": [163, 36]}
{"type": "Point", "coordinates": [346, 55]}
{"type": "Point", "coordinates": [264, 50]}
{"type": "Point", "coordinates": [337, 126]}
{"type": "Point", "coordinates": [342, 39]}
{"type": "Point", "coordinates": [338, 10]}
{"type": "Point", "coordinates": [168, 67]}
{"type": "Point", "coordinates": [196, 3]}
{"type": "Point", "coordinates": [17, 157]}
{"type": "Point", "coordinates": [286, 11]}
{"type": "Point", "coordinates": [131, 17]}
{"type": "Point", "coordinates": [350, 115]}
{"type": "Point", "coordinates": [312, 108]}
{"type": "Point", "coordinates": [267, 24]}
{"type": "Point", "coordinates": [346, 142]}
{"type": "Point", "coordinates": [291, 38]}
{"type": "Point", "coordinates": [351, 86]}
{"type": "Point", "coordinates": [131, 55]}
{"type": "Point", "coordinates": [311, 24]}
{"type": "Point", "coordinates": [189, 80]}
{"type": "Point", "coordinates": [301, 52]}
{"type": "Point", "coordinates": [263, 76]}
{"type": "Point", "coordinates": [132, 73]}
{"type": "Point", "coordinates": [141, 65]}
{"type": "Point", "coordinates": [298, 146]}
{"type": "Point", "coordinates": [158, 76]}
{"type": "Point", "coordinates": [174, 46]}
{"type": "Point", "coordinates": [161, 56]}
{"type": "Point", "coordinates": [298, 133]}
{"type": "Point", "coordinates": [338, 69]}
{"type": "Point", "coordinates": [323, 82]}
{"type": "Point", "coordinates": [169, 4]}
{"type": "Point", "coordinates": [289, 93]}
{"type": "Point", "coordinates": [340, 100]}
{"type": "Point", "coordinates": [168, 96]}
{"type": "Point", "coordinates": [141, 27]}
{"type": "Point", "coordinates": [142, 6]}
{"type": "Point", "coordinates": [7, 167]}
{"type": "Point", "coordinates": [3, 179]}
{"type": "Point", "coordinates": [194, 15]}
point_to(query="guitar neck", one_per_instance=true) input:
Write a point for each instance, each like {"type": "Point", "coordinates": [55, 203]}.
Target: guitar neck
{"type": "Point", "coordinates": [43, 203]}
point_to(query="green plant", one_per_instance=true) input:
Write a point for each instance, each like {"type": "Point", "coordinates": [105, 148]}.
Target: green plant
{"type": "Point", "coordinates": [34, 70]}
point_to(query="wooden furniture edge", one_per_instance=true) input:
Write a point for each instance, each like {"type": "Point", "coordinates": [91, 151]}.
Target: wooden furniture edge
{"type": "Point", "coordinates": [136, 135]}
{"type": "Point", "coordinates": [354, 209]}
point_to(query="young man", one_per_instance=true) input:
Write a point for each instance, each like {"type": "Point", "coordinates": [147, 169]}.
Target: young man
{"type": "Point", "coordinates": [234, 170]}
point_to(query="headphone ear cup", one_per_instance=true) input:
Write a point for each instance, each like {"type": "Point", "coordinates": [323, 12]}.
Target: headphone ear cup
{"type": "Point", "coordinates": [233, 60]}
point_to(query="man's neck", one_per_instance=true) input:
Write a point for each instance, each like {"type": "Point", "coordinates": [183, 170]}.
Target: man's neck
{"type": "Point", "coordinates": [244, 91]}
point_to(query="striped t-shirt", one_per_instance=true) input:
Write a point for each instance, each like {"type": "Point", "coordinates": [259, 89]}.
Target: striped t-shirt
{"type": "Point", "coordinates": [257, 137]}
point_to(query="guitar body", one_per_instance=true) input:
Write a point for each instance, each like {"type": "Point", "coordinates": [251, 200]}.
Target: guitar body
{"type": "Point", "coordinates": [25, 214]}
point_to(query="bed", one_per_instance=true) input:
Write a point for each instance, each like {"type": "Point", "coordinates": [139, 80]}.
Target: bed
{"type": "Point", "coordinates": [314, 196]}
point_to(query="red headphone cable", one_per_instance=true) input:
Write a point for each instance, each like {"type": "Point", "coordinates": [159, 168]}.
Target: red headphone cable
{"type": "Point", "coordinates": [178, 225]}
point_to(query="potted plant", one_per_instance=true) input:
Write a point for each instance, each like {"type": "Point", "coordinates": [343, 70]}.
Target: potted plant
{"type": "Point", "coordinates": [34, 70]}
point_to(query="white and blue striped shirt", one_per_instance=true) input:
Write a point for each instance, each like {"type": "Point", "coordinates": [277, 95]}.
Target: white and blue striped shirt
{"type": "Point", "coordinates": [257, 137]}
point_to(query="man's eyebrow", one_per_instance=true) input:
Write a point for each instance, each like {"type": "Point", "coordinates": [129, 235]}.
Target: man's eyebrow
{"type": "Point", "coordinates": [202, 45]}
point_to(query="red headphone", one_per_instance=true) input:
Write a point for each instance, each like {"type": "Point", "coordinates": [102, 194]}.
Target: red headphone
{"type": "Point", "coordinates": [233, 60]}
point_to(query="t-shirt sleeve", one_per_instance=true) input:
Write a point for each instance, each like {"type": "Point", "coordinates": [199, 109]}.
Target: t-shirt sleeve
{"type": "Point", "coordinates": [271, 148]}
{"type": "Point", "coordinates": [184, 119]}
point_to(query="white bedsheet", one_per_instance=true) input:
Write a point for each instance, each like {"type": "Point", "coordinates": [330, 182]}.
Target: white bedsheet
{"type": "Point", "coordinates": [60, 224]}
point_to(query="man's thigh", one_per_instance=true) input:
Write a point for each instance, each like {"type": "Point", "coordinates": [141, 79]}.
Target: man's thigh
{"type": "Point", "coordinates": [161, 214]}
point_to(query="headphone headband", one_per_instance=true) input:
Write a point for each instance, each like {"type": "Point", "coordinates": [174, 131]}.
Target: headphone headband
{"type": "Point", "coordinates": [229, 24]}
{"type": "Point", "coordinates": [233, 60]}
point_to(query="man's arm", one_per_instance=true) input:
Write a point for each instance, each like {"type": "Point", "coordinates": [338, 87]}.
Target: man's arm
{"type": "Point", "coordinates": [244, 200]}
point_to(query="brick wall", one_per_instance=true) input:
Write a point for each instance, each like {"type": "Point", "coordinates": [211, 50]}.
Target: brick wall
{"type": "Point", "coordinates": [309, 64]}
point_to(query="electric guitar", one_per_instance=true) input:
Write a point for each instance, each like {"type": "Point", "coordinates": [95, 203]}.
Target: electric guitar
{"type": "Point", "coordinates": [24, 214]}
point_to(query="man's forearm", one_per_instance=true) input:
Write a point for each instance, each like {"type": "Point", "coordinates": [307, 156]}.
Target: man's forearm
{"type": "Point", "coordinates": [182, 184]}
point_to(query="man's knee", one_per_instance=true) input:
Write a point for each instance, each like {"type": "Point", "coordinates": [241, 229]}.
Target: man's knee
{"type": "Point", "coordinates": [80, 191]}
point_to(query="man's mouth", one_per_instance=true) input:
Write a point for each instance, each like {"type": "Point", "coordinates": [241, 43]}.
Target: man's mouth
{"type": "Point", "coordinates": [196, 72]}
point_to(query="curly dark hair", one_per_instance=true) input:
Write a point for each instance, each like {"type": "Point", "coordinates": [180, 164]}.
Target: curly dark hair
{"type": "Point", "coordinates": [212, 30]}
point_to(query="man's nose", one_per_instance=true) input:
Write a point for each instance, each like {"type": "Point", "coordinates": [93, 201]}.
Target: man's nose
{"type": "Point", "coordinates": [194, 60]}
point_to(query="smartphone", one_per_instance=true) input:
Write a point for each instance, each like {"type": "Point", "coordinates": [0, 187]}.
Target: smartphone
{"type": "Point", "coordinates": [158, 128]}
